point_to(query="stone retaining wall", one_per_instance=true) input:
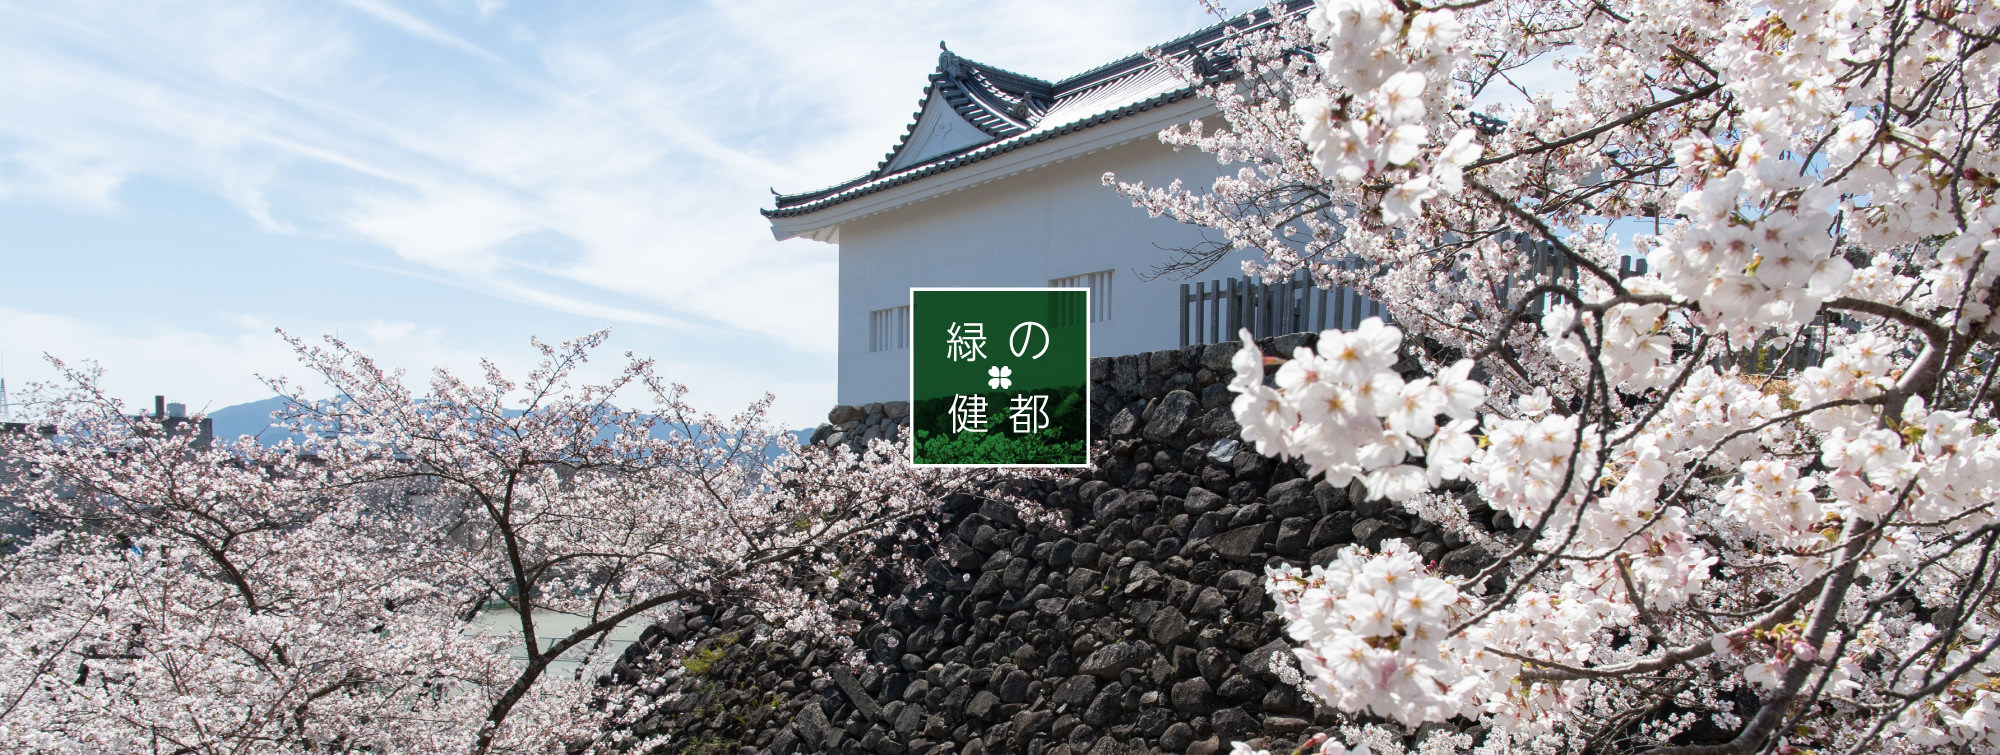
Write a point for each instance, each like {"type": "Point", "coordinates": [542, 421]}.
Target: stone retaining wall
{"type": "Point", "coordinates": [856, 425]}
{"type": "Point", "coordinates": [1140, 627]}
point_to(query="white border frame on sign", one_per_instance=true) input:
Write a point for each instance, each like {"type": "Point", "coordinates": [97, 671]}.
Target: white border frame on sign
{"type": "Point", "coordinates": [1086, 378]}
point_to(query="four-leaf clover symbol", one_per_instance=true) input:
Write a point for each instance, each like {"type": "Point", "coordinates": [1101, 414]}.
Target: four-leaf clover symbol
{"type": "Point", "coordinates": [997, 377]}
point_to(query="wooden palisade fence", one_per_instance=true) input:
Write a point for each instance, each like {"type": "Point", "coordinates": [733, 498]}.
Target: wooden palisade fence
{"type": "Point", "coordinates": [1214, 311]}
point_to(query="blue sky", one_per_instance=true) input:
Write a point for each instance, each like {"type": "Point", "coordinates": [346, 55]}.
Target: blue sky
{"type": "Point", "coordinates": [437, 180]}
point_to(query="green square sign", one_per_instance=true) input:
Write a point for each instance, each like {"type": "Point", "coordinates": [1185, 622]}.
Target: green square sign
{"type": "Point", "coordinates": [1000, 376]}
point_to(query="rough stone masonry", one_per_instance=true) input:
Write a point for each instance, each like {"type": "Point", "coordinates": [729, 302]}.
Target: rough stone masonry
{"type": "Point", "coordinates": [1142, 627]}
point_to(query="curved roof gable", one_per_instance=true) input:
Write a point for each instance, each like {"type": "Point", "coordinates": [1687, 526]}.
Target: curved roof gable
{"type": "Point", "coordinates": [938, 130]}
{"type": "Point", "coordinates": [967, 104]}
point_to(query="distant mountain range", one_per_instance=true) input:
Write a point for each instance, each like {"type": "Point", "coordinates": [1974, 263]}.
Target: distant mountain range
{"type": "Point", "coordinates": [254, 419]}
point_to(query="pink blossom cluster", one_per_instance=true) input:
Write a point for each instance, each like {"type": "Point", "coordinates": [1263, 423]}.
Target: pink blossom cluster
{"type": "Point", "coordinates": [1348, 414]}
{"type": "Point", "coordinates": [318, 595]}
{"type": "Point", "coordinates": [1371, 625]}
{"type": "Point", "coordinates": [1386, 60]}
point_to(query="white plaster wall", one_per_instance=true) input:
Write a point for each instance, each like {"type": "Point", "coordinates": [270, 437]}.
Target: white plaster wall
{"type": "Point", "coordinates": [1051, 222]}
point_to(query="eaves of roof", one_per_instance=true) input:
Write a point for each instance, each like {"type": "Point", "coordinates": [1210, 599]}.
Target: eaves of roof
{"type": "Point", "coordinates": [866, 185]}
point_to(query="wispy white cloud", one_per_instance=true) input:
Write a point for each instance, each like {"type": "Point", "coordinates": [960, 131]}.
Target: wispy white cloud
{"type": "Point", "coordinates": [49, 173]}
{"type": "Point", "coordinates": [201, 368]}
{"type": "Point", "coordinates": [402, 20]}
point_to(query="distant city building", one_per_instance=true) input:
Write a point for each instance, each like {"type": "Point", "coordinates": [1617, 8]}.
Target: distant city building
{"type": "Point", "coordinates": [174, 417]}
{"type": "Point", "coordinates": [16, 524]}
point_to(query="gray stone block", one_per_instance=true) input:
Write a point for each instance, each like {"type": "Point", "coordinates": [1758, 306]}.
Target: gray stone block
{"type": "Point", "coordinates": [1244, 544]}
{"type": "Point", "coordinates": [1109, 661]}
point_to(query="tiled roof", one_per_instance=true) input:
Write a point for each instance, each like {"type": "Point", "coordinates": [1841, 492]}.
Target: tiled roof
{"type": "Point", "coordinates": [1016, 111]}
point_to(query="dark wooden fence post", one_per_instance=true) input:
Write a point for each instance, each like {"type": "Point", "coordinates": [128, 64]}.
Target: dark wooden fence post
{"type": "Point", "coordinates": [1295, 304]}
{"type": "Point", "coordinates": [1184, 315]}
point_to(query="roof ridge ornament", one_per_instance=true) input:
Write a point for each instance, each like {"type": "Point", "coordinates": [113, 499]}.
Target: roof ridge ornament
{"type": "Point", "coordinates": [1202, 66]}
{"type": "Point", "coordinates": [1024, 108]}
{"type": "Point", "coordinates": [950, 63]}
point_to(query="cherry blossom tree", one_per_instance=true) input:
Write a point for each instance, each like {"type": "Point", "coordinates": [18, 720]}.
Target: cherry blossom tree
{"type": "Point", "coordinates": [1690, 557]}
{"type": "Point", "coordinates": [315, 595]}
